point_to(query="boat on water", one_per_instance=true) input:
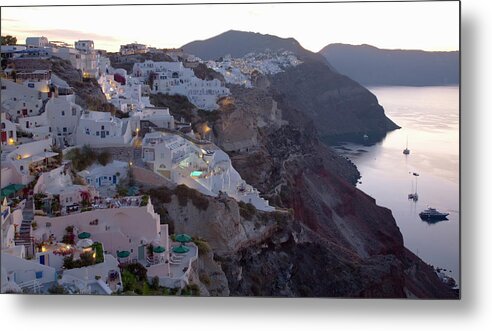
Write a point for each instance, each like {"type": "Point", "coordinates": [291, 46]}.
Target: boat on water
{"type": "Point", "coordinates": [406, 151]}
{"type": "Point", "coordinates": [414, 196]}
{"type": "Point", "coordinates": [433, 215]}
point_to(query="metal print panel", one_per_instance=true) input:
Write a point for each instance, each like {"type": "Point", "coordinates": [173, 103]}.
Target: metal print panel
{"type": "Point", "coordinates": [269, 150]}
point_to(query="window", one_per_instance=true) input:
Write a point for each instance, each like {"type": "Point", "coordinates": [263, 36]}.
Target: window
{"type": "Point", "coordinates": [21, 167]}
{"type": "Point", "coordinates": [87, 131]}
{"type": "Point", "coordinates": [64, 129]}
{"type": "Point", "coordinates": [74, 111]}
{"type": "Point", "coordinates": [63, 113]}
{"type": "Point", "coordinates": [30, 110]}
{"type": "Point", "coordinates": [102, 127]}
{"type": "Point", "coordinates": [4, 87]}
{"type": "Point", "coordinates": [49, 129]}
{"type": "Point", "coordinates": [97, 133]}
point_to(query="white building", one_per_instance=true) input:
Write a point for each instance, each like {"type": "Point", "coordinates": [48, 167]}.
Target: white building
{"type": "Point", "coordinates": [12, 51]}
{"type": "Point", "coordinates": [133, 48]}
{"type": "Point", "coordinates": [10, 220]}
{"type": "Point", "coordinates": [58, 183]}
{"type": "Point", "coordinates": [13, 92]}
{"type": "Point", "coordinates": [22, 108]}
{"type": "Point", "coordinates": [26, 160]}
{"type": "Point", "coordinates": [208, 170]}
{"type": "Point", "coordinates": [125, 228]}
{"type": "Point", "coordinates": [37, 42]}
{"type": "Point", "coordinates": [103, 129]}
{"type": "Point", "coordinates": [173, 78]}
{"type": "Point", "coordinates": [9, 131]}
{"type": "Point", "coordinates": [26, 274]}
{"type": "Point", "coordinates": [152, 117]}
{"type": "Point", "coordinates": [88, 57]}
{"type": "Point", "coordinates": [63, 118]}
{"type": "Point", "coordinates": [102, 176]}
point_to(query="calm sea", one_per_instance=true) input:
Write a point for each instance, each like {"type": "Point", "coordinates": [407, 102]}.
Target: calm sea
{"type": "Point", "coordinates": [429, 117]}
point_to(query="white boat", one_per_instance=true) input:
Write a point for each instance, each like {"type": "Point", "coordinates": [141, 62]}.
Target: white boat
{"type": "Point", "coordinates": [406, 151]}
{"type": "Point", "coordinates": [414, 196]}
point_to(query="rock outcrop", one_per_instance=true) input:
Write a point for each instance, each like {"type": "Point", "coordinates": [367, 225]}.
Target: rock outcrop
{"type": "Point", "coordinates": [328, 238]}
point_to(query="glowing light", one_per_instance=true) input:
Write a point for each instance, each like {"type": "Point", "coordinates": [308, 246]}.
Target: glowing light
{"type": "Point", "coordinates": [94, 255]}
{"type": "Point", "coordinates": [43, 249]}
{"type": "Point", "coordinates": [11, 141]}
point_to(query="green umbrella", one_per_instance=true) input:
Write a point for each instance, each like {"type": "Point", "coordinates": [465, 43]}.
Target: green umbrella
{"type": "Point", "coordinates": [123, 254]}
{"type": "Point", "coordinates": [183, 238]}
{"type": "Point", "coordinates": [159, 249]}
{"type": "Point", "coordinates": [84, 235]}
{"type": "Point", "coordinates": [181, 249]}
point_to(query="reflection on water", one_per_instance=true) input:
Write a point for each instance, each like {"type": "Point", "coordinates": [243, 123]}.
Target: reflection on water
{"type": "Point", "coordinates": [429, 117]}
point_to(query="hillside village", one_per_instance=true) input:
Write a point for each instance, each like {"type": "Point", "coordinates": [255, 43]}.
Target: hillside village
{"type": "Point", "coordinates": [79, 151]}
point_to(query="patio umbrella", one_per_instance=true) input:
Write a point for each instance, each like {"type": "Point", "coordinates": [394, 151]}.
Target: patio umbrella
{"type": "Point", "coordinates": [85, 243]}
{"type": "Point", "coordinates": [123, 254]}
{"type": "Point", "coordinates": [84, 235]}
{"type": "Point", "coordinates": [159, 249]}
{"type": "Point", "coordinates": [183, 238]}
{"type": "Point", "coordinates": [181, 249]}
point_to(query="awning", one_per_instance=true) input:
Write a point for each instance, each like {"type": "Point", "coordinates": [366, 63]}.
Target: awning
{"type": "Point", "coordinates": [123, 254]}
{"type": "Point", "coordinates": [84, 235]}
{"type": "Point", "coordinates": [11, 189]}
{"type": "Point", "coordinates": [181, 249]}
{"type": "Point", "coordinates": [183, 238]}
{"type": "Point", "coordinates": [159, 249]}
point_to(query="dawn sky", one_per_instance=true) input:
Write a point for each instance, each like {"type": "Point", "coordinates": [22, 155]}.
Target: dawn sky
{"type": "Point", "coordinates": [421, 25]}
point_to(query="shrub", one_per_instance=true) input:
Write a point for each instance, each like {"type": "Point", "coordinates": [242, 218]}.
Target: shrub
{"type": "Point", "coordinates": [154, 283]}
{"type": "Point", "coordinates": [104, 158]}
{"type": "Point", "coordinates": [68, 262]}
{"type": "Point", "coordinates": [144, 201]}
{"type": "Point", "coordinates": [69, 239]}
{"type": "Point", "coordinates": [84, 157]}
{"type": "Point", "coordinates": [138, 270]}
{"type": "Point", "coordinates": [57, 289]}
{"type": "Point", "coordinates": [97, 247]}
{"type": "Point", "coordinates": [161, 194]}
{"type": "Point", "coordinates": [129, 280]}
{"type": "Point", "coordinates": [184, 193]}
{"type": "Point", "coordinates": [246, 210]}
{"type": "Point", "coordinates": [203, 246]}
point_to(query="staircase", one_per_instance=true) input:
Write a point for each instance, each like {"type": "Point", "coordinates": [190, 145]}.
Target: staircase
{"type": "Point", "coordinates": [24, 237]}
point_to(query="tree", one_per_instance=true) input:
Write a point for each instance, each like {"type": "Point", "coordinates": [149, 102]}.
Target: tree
{"type": "Point", "coordinates": [9, 40]}
{"type": "Point", "coordinates": [104, 158]}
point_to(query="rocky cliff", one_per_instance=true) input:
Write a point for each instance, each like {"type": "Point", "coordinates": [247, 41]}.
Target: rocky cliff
{"type": "Point", "coordinates": [328, 238]}
{"type": "Point", "coordinates": [338, 106]}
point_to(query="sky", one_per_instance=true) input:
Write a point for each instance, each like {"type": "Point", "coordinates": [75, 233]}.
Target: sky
{"type": "Point", "coordinates": [432, 26]}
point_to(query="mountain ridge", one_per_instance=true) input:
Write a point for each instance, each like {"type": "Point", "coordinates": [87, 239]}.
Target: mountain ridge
{"type": "Point", "coordinates": [370, 65]}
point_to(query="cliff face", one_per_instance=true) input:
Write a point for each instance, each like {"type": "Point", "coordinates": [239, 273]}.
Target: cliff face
{"type": "Point", "coordinates": [337, 105]}
{"type": "Point", "coordinates": [329, 239]}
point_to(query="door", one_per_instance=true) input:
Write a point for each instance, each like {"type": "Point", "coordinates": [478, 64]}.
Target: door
{"type": "Point", "coordinates": [4, 136]}
{"type": "Point", "coordinates": [41, 260]}
{"type": "Point", "coordinates": [141, 252]}
{"type": "Point", "coordinates": [103, 134]}
{"type": "Point", "coordinates": [114, 179]}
